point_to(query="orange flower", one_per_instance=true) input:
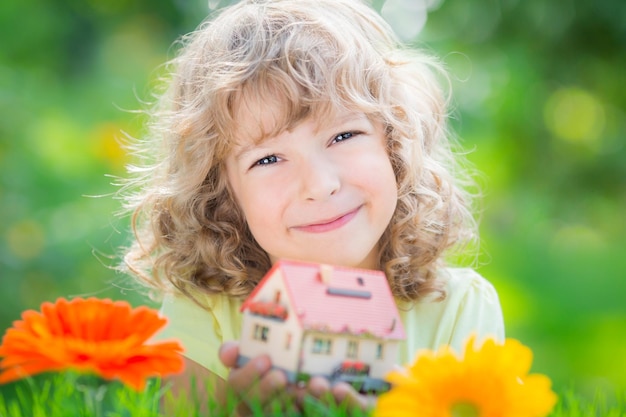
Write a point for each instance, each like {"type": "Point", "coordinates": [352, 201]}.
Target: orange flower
{"type": "Point", "coordinates": [101, 336]}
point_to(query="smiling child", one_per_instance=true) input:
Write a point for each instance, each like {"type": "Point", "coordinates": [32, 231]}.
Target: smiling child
{"type": "Point", "coordinates": [301, 130]}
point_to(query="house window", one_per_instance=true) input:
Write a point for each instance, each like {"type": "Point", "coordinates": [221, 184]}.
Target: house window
{"type": "Point", "coordinates": [260, 332]}
{"type": "Point", "coordinates": [379, 351]}
{"type": "Point", "coordinates": [353, 349]}
{"type": "Point", "coordinates": [321, 346]}
{"type": "Point", "coordinates": [288, 341]}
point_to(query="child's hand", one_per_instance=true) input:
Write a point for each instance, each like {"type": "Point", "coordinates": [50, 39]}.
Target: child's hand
{"type": "Point", "coordinates": [341, 392]}
{"type": "Point", "coordinates": [255, 380]}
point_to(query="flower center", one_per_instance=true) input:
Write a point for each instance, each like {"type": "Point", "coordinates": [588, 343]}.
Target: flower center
{"type": "Point", "coordinates": [464, 409]}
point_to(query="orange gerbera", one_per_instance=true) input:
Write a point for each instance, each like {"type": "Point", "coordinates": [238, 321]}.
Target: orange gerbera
{"type": "Point", "coordinates": [93, 335]}
{"type": "Point", "coordinates": [489, 381]}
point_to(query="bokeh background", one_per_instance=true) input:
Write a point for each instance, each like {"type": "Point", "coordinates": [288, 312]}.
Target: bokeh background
{"type": "Point", "coordinates": [540, 100]}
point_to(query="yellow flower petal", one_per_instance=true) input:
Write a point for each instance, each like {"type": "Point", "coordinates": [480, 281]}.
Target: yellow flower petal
{"type": "Point", "coordinates": [489, 380]}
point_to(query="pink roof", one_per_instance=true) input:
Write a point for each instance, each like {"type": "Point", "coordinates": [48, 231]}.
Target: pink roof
{"type": "Point", "coordinates": [352, 300]}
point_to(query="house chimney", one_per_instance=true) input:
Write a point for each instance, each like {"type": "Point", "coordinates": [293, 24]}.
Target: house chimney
{"type": "Point", "coordinates": [326, 273]}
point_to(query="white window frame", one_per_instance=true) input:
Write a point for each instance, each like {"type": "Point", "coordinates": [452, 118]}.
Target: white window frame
{"type": "Point", "coordinates": [321, 345]}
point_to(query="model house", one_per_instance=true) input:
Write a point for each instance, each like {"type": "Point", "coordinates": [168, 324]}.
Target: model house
{"type": "Point", "coordinates": [312, 319]}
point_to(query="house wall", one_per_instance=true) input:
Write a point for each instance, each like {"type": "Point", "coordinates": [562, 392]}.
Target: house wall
{"type": "Point", "coordinates": [323, 363]}
{"type": "Point", "coordinates": [282, 344]}
{"type": "Point", "coordinates": [380, 367]}
{"type": "Point", "coordinates": [320, 363]}
{"type": "Point", "coordinates": [283, 337]}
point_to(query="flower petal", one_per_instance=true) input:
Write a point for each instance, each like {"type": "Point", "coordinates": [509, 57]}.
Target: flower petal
{"type": "Point", "coordinates": [490, 377]}
{"type": "Point", "coordinates": [102, 336]}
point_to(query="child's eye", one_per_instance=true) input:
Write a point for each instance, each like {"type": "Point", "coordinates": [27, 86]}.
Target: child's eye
{"type": "Point", "coordinates": [343, 136]}
{"type": "Point", "coordinates": [267, 160]}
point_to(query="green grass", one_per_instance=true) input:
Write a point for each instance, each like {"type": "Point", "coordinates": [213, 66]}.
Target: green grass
{"type": "Point", "coordinates": [88, 396]}
{"type": "Point", "coordinates": [572, 405]}
{"type": "Point", "coordinates": [70, 394]}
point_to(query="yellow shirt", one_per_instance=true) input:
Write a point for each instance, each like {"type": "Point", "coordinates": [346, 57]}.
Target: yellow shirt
{"type": "Point", "coordinates": [471, 306]}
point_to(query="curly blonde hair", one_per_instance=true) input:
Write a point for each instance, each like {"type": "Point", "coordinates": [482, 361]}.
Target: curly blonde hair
{"type": "Point", "coordinates": [314, 57]}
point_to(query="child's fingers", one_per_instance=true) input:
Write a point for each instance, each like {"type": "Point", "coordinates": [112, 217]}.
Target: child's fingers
{"type": "Point", "coordinates": [261, 392]}
{"type": "Point", "coordinates": [318, 387]}
{"type": "Point", "coordinates": [344, 393]}
{"type": "Point", "coordinates": [242, 379]}
{"type": "Point", "coordinates": [270, 384]}
{"type": "Point", "coordinates": [229, 351]}
{"type": "Point", "coordinates": [253, 383]}
{"type": "Point", "coordinates": [315, 397]}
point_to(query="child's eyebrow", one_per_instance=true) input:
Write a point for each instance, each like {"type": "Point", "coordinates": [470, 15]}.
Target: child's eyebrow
{"type": "Point", "coordinates": [348, 117]}
{"type": "Point", "coordinates": [241, 151]}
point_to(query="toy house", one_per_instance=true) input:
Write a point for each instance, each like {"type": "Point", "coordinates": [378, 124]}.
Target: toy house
{"type": "Point", "coordinates": [321, 320]}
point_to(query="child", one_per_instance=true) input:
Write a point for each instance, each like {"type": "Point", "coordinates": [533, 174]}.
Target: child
{"type": "Point", "coordinates": [301, 130]}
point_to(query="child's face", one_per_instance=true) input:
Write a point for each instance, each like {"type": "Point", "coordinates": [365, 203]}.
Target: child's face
{"type": "Point", "coordinates": [322, 192]}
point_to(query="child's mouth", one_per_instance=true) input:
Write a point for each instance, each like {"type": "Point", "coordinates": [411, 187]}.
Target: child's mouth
{"type": "Point", "coordinates": [330, 224]}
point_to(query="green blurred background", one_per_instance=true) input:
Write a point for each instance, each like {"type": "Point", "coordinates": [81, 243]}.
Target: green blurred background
{"type": "Point", "coordinates": [540, 96]}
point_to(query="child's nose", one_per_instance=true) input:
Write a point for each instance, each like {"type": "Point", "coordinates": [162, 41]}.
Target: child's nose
{"type": "Point", "coordinates": [319, 179]}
